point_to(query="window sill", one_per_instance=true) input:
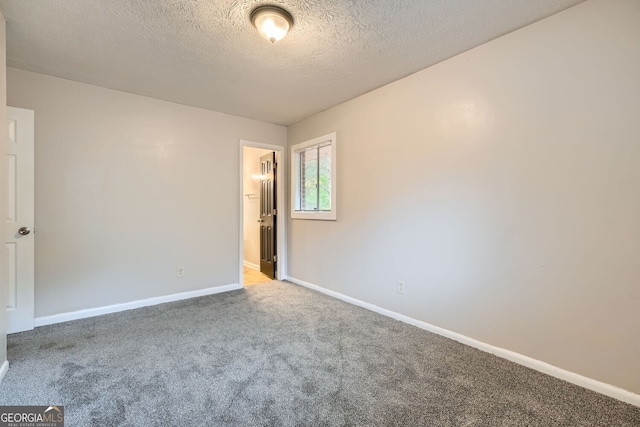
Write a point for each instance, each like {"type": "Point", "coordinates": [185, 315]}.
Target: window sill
{"type": "Point", "coordinates": [322, 216]}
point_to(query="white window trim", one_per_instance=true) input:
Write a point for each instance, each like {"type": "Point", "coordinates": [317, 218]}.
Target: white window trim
{"type": "Point", "coordinates": [295, 179]}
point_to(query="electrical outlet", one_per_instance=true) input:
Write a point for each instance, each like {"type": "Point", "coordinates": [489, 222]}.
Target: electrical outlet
{"type": "Point", "coordinates": [179, 272]}
{"type": "Point", "coordinates": [401, 286]}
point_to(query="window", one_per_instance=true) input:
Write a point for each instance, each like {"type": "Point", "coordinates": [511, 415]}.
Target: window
{"type": "Point", "coordinates": [313, 178]}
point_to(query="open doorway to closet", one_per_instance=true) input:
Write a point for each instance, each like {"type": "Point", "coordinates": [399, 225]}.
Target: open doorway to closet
{"type": "Point", "coordinates": [262, 240]}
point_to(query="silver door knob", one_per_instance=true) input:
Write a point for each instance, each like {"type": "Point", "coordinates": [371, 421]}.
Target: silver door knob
{"type": "Point", "coordinates": [23, 231]}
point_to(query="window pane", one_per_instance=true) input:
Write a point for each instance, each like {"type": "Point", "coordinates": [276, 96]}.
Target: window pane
{"type": "Point", "coordinates": [312, 175]}
{"type": "Point", "coordinates": [324, 186]}
{"type": "Point", "coordinates": [309, 179]}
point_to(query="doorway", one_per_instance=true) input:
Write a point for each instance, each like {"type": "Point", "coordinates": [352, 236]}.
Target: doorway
{"type": "Point", "coordinates": [262, 220]}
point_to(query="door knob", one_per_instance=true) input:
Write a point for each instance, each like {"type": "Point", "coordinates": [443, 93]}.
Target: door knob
{"type": "Point", "coordinates": [23, 231]}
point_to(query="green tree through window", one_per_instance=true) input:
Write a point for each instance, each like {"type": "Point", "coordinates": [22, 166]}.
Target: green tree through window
{"type": "Point", "coordinates": [315, 178]}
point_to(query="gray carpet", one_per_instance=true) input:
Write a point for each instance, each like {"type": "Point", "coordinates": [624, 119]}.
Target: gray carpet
{"type": "Point", "coordinates": [281, 355]}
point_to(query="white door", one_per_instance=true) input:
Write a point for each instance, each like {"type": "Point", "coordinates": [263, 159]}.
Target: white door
{"type": "Point", "coordinates": [20, 219]}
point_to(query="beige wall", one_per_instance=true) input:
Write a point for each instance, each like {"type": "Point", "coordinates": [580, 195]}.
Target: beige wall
{"type": "Point", "coordinates": [127, 189]}
{"type": "Point", "coordinates": [4, 277]}
{"type": "Point", "coordinates": [251, 229]}
{"type": "Point", "coordinates": [503, 186]}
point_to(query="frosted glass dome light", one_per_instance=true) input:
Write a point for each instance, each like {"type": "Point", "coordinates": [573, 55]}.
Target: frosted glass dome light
{"type": "Point", "coordinates": [272, 22]}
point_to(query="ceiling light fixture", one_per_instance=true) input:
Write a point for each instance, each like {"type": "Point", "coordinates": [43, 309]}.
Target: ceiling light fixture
{"type": "Point", "coordinates": [272, 22]}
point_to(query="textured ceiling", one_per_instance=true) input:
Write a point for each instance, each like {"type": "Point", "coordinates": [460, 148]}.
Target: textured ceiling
{"type": "Point", "coordinates": [205, 53]}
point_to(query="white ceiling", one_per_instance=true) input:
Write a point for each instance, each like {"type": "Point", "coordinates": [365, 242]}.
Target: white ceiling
{"type": "Point", "coordinates": [205, 53]}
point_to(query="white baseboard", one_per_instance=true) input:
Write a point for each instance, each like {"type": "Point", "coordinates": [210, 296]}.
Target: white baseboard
{"type": "Point", "coordinates": [571, 377]}
{"type": "Point", "coordinates": [3, 370]}
{"type": "Point", "coordinates": [251, 265]}
{"type": "Point", "coordinates": [98, 311]}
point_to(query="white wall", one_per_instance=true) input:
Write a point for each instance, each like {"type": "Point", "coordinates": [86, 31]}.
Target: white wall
{"type": "Point", "coordinates": [127, 189]}
{"type": "Point", "coordinates": [251, 230]}
{"type": "Point", "coordinates": [503, 186]}
{"type": "Point", "coordinates": [4, 268]}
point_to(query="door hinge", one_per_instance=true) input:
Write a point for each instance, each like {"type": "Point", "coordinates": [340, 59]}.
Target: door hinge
{"type": "Point", "coordinates": [275, 211]}
{"type": "Point", "coordinates": [275, 258]}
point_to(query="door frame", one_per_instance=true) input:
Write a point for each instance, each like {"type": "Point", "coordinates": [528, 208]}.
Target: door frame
{"type": "Point", "coordinates": [281, 221]}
